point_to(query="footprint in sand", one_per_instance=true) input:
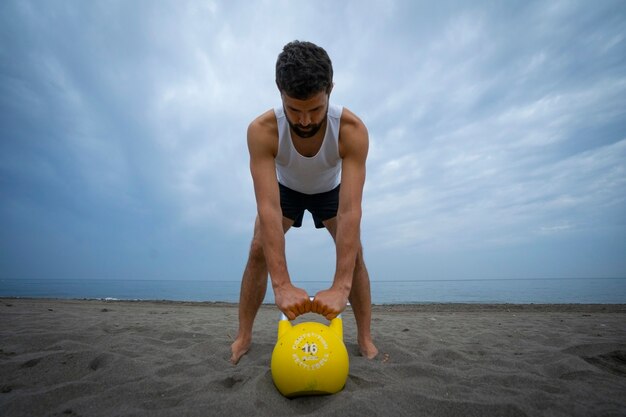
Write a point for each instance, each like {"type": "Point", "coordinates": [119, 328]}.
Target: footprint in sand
{"type": "Point", "coordinates": [231, 382]}
{"type": "Point", "coordinates": [99, 362]}
{"type": "Point", "coordinates": [606, 357]}
{"type": "Point", "coordinates": [30, 363]}
{"type": "Point", "coordinates": [613, 362]}
{"type": "Point", "coordinates": [362, 383]}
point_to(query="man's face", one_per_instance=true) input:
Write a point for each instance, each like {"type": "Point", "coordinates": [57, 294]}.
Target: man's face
{"type": "Point", "coordinates": [306, 117]}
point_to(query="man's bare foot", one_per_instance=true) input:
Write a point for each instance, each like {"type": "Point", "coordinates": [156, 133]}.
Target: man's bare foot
{"type": "Point", "coordinates": [239, 348]}
{"type": "Point", "coordinates": [367, 349]}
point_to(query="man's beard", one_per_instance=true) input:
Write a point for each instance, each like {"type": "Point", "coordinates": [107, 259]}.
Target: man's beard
{"type": "Point", "coordinates": [308, 131]}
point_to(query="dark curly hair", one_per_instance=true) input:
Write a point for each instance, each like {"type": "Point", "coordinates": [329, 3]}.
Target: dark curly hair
{"type": "Point", "coordinates": [303, 69]}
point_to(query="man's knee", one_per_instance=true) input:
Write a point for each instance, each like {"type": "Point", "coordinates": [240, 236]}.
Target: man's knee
{"type": "Point", "coordinates": [256, 250]}
{"type": "Point", "coordinates": [360, 262]}
{"type": "Point", "coordinates": [256, 247]}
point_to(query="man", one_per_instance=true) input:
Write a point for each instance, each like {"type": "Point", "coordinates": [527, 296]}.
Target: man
{"type": "Point", "coordinates": [306, 155]}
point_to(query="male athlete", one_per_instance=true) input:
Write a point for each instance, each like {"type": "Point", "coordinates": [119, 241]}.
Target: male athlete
{"type": "Point", "coordinates": [306, 155]}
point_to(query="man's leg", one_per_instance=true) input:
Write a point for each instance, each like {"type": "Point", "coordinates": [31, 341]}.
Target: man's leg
{"type": "Point", "coordinates": [253, 288]}
{"type": "Point", "coordinates": [360, 299]}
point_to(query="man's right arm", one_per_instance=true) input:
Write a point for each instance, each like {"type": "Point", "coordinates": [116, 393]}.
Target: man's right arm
{"type": "Point", "coordinates": [262, 145]}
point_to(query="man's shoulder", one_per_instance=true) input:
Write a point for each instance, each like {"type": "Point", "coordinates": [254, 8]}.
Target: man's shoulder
{"type": "Point", "coordinates": [264, 125]}
{"type": "Point", "coordinates": [263, 133]}
{"type": "Point", "coordinates": [353, 135]}
{"type": "Point", "coordinates": [351, 124]}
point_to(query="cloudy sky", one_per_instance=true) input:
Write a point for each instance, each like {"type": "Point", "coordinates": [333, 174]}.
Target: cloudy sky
{"type": "Point", "coordinates": [497, 135]}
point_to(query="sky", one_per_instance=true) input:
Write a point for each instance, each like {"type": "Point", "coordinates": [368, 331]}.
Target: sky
{"type": "Point", "coordinates": [497, 136]}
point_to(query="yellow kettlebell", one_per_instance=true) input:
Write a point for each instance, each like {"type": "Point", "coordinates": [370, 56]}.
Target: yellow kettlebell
{"type": "Point", "coordinates": [309, 358]}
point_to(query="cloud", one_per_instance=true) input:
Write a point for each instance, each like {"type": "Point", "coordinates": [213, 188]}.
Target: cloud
{"type": "Point", "coordinates": [486, 154]}
{"type": "Point", "coordinates": [491, 125]}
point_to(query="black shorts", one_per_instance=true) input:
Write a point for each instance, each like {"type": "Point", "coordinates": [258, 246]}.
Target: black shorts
{"type": "Point", "coordinates": [322, 206]}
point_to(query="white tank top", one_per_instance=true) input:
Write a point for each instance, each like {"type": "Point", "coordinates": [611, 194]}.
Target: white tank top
{"type": "Point", "coordinates": [309, 175]}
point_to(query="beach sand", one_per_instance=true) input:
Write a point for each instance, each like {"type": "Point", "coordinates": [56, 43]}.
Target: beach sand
{"type": "Point", "coordinates": [121, 358]}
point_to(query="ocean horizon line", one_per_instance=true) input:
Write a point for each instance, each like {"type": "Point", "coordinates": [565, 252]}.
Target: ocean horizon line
{"type": "Point", "coordinates": [486, 290]}
{"type": "Point", "coordinates": [316, 281]}
{"type": "Point", "coordinates": [271, 303]}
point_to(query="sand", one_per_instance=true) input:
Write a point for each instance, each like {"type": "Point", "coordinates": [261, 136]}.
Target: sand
{"type": "Point", "coordinates": [98, 358]}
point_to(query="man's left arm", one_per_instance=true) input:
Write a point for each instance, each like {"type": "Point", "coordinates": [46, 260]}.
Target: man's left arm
{"type": "Point", "coordinates": [354, 145]}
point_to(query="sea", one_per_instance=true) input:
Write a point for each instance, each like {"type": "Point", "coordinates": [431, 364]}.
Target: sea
{"type": "Point", "coordinates": [497, 291]}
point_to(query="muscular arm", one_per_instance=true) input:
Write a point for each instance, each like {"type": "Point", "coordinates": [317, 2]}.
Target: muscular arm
{"type": "Point", "coordinates": [355, 147]}
{"type": "Point", "coordinates": [353, 151]}
{"type": "Point", "coordinates": [262, 147]}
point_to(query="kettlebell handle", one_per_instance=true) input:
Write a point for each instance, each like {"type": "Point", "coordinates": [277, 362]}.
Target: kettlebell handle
{"type": "Point", "coordinates": [284, 317]}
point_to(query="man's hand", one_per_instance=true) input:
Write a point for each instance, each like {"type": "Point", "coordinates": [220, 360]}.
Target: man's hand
{"type": "Point", "coordinates": [329, 303]}
{"type": "Point", "coordinates": [292, 301]}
